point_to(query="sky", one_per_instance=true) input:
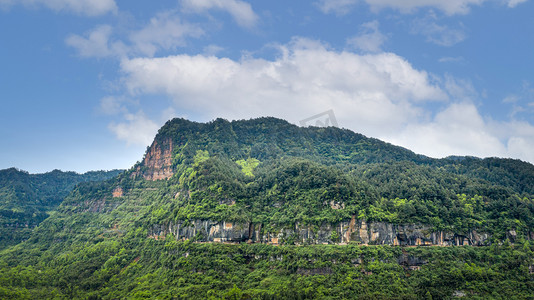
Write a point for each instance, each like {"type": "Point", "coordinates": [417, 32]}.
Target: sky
{"type": "Point", "coordinates": [86, 84]}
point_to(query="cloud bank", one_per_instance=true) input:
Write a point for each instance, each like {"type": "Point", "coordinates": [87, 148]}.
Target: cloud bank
{"type": "Point", "coordinates": [307, 77]}
{"type": "Point", "coordinates": [380, 95]}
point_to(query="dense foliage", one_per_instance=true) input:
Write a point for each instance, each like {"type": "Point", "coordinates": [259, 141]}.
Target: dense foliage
{"type": "Point", "coordinates": [98, 242]}
{"type": "Point", "coordinates": [26, 199]}
{"type": "Point", "coordinates": [294, 174]}
{"type": "Point", "coordinates": [134, 267]}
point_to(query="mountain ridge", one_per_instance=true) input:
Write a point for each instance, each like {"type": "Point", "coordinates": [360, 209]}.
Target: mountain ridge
{"type": "Point", "coordinates": [262, 209]}
{"type": "Point", "coordinates": [167, 135]}
{"type": "Point", "coordinates": [269, 173]}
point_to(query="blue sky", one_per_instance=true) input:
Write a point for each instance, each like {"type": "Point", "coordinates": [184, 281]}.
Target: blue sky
{"type": "Point", "coordinates": [85, 84]}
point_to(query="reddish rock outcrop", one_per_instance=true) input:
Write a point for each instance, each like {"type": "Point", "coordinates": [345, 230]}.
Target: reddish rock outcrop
{"type": "Point", "coordinates": [157, 163]}
{"type": "Point", "coordinates": [118, 192]}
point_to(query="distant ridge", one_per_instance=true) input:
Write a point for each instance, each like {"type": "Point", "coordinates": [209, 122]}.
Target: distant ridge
{"type": "Point", "coordinates": [26, 199]}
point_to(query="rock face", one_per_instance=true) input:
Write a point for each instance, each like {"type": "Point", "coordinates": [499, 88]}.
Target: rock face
{"type": "Point", "coordinates": [117, 192]}
{"type": "Point", "coordinates": [157, 163]}
{"type": "Point", "coordinates": [375, 233]}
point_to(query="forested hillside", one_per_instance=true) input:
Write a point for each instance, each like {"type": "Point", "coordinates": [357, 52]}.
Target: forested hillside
{"type": "Point", "coordinates": [26, 199]}
{"type": "Point", "coordinates": [263, 209]}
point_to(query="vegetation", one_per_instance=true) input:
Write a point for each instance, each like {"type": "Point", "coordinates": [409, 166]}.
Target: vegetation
{"type": "Point", "coordinates": [26, 199]}
{"type": "Point", "coordinates": [138, 268]}
{"type": "Point", "coordinates": [98, 244]}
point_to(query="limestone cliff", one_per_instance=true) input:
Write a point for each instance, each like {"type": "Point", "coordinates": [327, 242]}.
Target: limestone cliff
{"type": "Point", "coordinates": [373, 233]}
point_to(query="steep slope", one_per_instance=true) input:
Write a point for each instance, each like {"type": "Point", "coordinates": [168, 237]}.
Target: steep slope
{"type": "Point", "coordinates": [264, 181]}
{"type": "Point", "coordinates": [26, 199]}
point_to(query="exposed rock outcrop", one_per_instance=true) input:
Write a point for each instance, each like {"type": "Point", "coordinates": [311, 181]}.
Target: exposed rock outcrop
{"type": "Point", "coordinates": [117, 192]}
{"type": "Point", "coordinates": [374, 233]}
{"type": "Point", "coordinates": [157, 163]}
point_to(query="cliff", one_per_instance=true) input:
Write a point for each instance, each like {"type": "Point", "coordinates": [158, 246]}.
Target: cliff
{"type": "Point", "coordinates": [359, 231]}
{"type": "Point", "coordinates": [157, 163]}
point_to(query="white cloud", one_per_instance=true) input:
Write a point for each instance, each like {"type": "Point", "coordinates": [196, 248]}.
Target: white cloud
{"type": "Point", "coordinates": [97, 43]}
{"type": "Point", "coordinates": [370, 39]}
{"type": "Point", "coordinates": [520, 104]}
{"type": "Point", "coordinates": [373, 92]}
{"type": "Point", "coordinates": [241, 11]}
{"type": "Point", "coordinates": [514, 3]}
{"type": "Point", "coordinates": [115, 105]}
{"type": "Point", "coordinates": [510, 99]}
{"type": "Point", "coordinates": [438, 34]}
{"type": "Point", "coordinates": [165, 31]}
{"type": "Point", "coordinates": [457, 130]}
{"type": "Point", "coordinates": [136, 129]}
{"type": "Point", "coordinates": [521, 147]}
{"type": "Point", "coordinates": [518, 137]}
{"type": "Point", "coordinates": [212, 50]}
{"type": "Point", "coordinates": [459, 89]}
{"type": "Point", "coordinates": [450, 7]}
{"type": "Point", "coordinates": [380, 95]}
{"type": "Point", "coordinates": [340, 7]}
{"type": "Point", "coordinates": [82, 7]}
{"type": "Point", "coordinates": [111, 105]}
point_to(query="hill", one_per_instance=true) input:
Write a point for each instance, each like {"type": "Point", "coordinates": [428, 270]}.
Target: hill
{"type": "Point", "coordinates": [242, 209]}
{"type": "Point", "coordinates": [26, 199]}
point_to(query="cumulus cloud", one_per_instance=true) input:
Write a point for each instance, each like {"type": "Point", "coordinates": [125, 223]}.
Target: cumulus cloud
{"type": "Point", "coordinates": [457, 130]}
{"type": "Point", "coordinates": [370, 39]}
{"type": "Point", "coordinates": [82, 7]}
{"type": "Point", "coordinates": [136, 129]}
{"type": "Point", "coordinates": [380, 95]}
{"type": "Point", "coordinates": [241, 11]}
{"type": "Point", "coordinates": [375, 92]}
{"type": "Point", "coordinates": [522, 146]}
{"type": "Point", "coordinates": [461, 130]}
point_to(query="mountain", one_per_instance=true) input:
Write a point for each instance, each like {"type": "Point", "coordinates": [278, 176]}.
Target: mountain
{"type": "Point", "coordinates": [243, 210]}
{"type": "Point", "coordinates": [26, 199]}
{"type": "Point", "coordinates": [267, 172]}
